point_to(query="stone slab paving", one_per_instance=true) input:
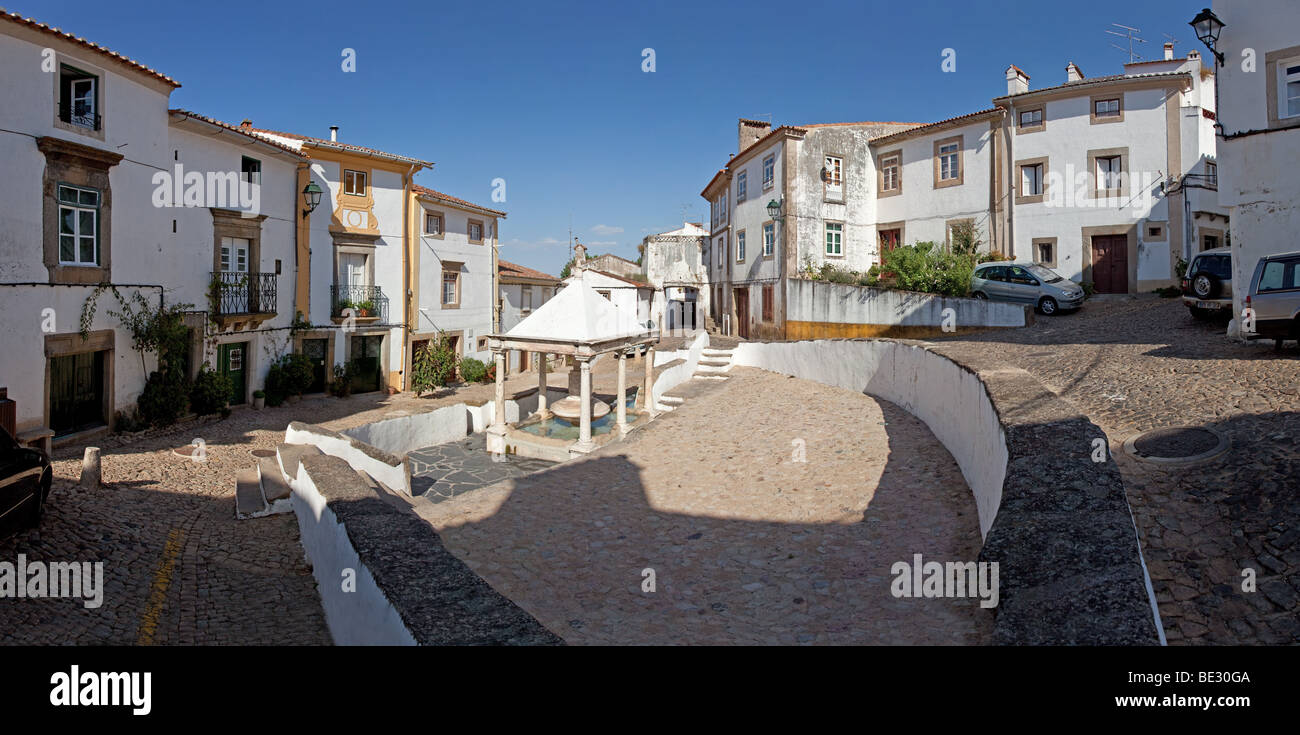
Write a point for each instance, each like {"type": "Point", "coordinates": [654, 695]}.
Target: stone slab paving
{"type": "Point", "coordinates": [1143, 363]}
{"type": "Point", "coordinates": [454, 468]}
{"type": "Point", "coordinates": [746, 544]}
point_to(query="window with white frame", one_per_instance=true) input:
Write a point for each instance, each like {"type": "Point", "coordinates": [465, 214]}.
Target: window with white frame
{"type": "Point", "coordinates": [742, 186]}
{"type": "Point", "coordinates": [354, 183]}
{"type": "Point", "coordinates": [740, 246]}
{"type": "Point", "coordinates": [769, 239]}
{"type": "Point", "coordinates": [528, 298]}
{"type": "Point", "coordinates": [234, 254]}
{"type": "Point", "coordinates": [719, 245]}
{"type": "Point", "coordinates": [948, 162]}
{"type": "Point", "coordinates": [78, 98]}
{"type": "Point", "coordinates": [1031, 180]}
{"type": "Point", "coordinates": [475, 231]}
{"type": "Point", "coordinates": [834, 177]}
{"type": "Point", "coordinates": [1031, 118]}
{"type": "Point", "coordinates": [1109, 172]}
{"type": "Point", "coordinates": [1288, 88]}
{"type": "Point", "coordinates": [78, 226]}
{"type": "Point", "coordinates": [834, 238]}
{"type": "Point", "coordinates": [1106, 108]}
{"type": "Point", "coordinates": [889, 173]}
{"type": "Point", "coordinates": [769, 172]}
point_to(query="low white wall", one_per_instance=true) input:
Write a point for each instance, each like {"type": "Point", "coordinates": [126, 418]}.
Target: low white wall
{"type": "Point", "coordinates": [482, 416]}
{"type": "Point", "coordinates": [841, 303]}
{"type": "Point", "coordinates": [360, 617]}
{"type": "Point", "coordinates": [406, 433]}
{"type": "Point", "coordinates": [948, 398]}
{"type": "Point", "coordinates": [394, 476]}
{"type": "Point", "coordinates": [674, 376]}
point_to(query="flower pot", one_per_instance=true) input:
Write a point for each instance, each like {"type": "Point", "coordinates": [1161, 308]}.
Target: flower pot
{"type": "Point", "coordinates": [259, 403]}
{"type": "Point", "coordinates": [293, 398]}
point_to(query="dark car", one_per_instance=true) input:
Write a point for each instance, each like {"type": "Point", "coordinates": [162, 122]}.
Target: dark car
{"type": "Point", "coordinates": [1207, 287]}
{"type": "Point", "coordinates": [24, 485]}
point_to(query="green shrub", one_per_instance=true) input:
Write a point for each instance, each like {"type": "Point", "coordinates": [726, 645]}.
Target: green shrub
{"type": "Point", "coordinates": [298, 373]}
{"type": "Point", "coordinates": [1088, 289]}
{"type": "Point", "coordinates": [166, 397]}
{"type": "Point", "coordinates": [433, 366]}
{"type": "Point", "coordinates": [341, 385]}
{"type": "Point", "coordinates": [211, 391]}
{"type": "Point", "coordinates": [472, 370]}
{"type": "Point", "coordinates": [276, 385]}
{"type": "Point", "coordinates": [927, 268]}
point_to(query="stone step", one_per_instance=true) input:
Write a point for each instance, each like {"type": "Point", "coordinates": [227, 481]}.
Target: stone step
{"type": "Point", "coordinates": [290, 456]}
{"type": "Point", "coordinates": [248, 495]}
{"type": "Point", "coordinates": [716, 353]}
{"type": "Point", "coordinates": [697, 376]}
{"type": "Point", "coordinates": [273, 485]}
{"type": "Point", "coordinates": [663, 407]}
{"type": "Point", "coordinates": [672, 400]}
{"type": "Point", "coordinates": [702, 368]}
{"type": "Point", "coordinates": [706, 360]}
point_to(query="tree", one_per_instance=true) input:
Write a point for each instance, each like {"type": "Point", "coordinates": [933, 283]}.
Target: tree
{"type": "Point", "coordinates": [567, 269]}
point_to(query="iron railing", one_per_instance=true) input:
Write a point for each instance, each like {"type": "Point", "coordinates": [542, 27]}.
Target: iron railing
{"type": "Point", "coordinates": [366, 302]}
{"type": "Point", "coordinates": [244, 293]}
{"type": "Point", "coordinates": [1209, 181]}
{"type": "Point", "coordinates": [70, 115]}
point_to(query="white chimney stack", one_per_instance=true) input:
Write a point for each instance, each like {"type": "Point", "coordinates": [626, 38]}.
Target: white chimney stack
{"type": "Point", "coordinates": [1017, 80]}
{"type": "Point", "coordinates": [1072, 72]}
{"type": "Point", "coordinates": [1169, 51]}
{"type": "Point", "coordinates": [334, 133]}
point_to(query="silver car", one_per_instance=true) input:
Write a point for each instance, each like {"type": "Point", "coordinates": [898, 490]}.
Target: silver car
{"type": "Point", "coordinates": [1026, 283]}
{"type": "Point", "coordinates": [1273, 300]}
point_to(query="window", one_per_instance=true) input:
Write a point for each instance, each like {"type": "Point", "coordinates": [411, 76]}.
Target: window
{"type": "Point", "coordinates": [834, 238]}
{"type": "Point", "coordinates": [769, 239]}
{"type": "Point", "coordinates": [78, 98]}
{"type": "Point", "coordinates": [890, 174]}
{"type": "Point", "coordinates": [769, 172]}
{"type": "Point", "coordinates": [740, 246]}
{"type": "Point", "coordinates": [528, 298]}
{"type": "Point", "coordinates": [1031, 118]}
{"type": "Point", "coordinates": [947, 162]}
{"type": "Point", "coordinates": [722, 209]}
{"type": "Point", "coordinates": [476, 232]}
{"type": "Point", "coordinates": [1155, 232]}
{"type": "Point", "coordinates": [1212, 173]}
{"type": "Point", "coordinates": [451, 288]}
{"type": "Point", "coordinates": [834, 178]}
{"type": "Point", "coordinates": [1031, 180]}
{"type": "Point", "coordinates": [433, 224]}
{"type": "Point", "coordinates": [719, 246]}
{"type": "Point", "coordinates": [354, 183]}
{"type": "Point", "coordinates": [1107, 109]}
{"type": "Point", "coordinates": [250, 171]}
{"type": "Point", "coordinates": [742, 186]}
{"type": "Point", "coordinates": [1288, 86]}
{"type": "Point", "coordinates": [1045, 252]}
{"type": "Point", "coordinates": [1209, 241]}
{"type": "Point", "coordinates": [78, 226]}
{"type": "Point", "coordinates": [1109, 173]}
{"type": "Point", "coordinates": [234, 254]}
{"type": "Point", "coordinates": [767, 302]}
{"type": "Point", "coordinates": [1279, 275]}
{"type": "Point", "coordinates": [605, 293]}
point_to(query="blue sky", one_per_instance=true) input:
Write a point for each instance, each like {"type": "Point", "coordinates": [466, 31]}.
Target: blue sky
{"type": "Point", "coordinates": [552, 98]}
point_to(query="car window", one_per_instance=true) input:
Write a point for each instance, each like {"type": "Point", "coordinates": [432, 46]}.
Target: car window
{"type": "Point", "coordinates": [1219, 266]}
{"type": "Point", "coordinates": [1019, 275]}
{"type": "Point", "coordinates": [1046, 274]}
{"type": "Point", "coordinates": [991, 273]}
{"type": "Point", "coordinates": [1278, 275]}
{"type": "Point", "coordinates": [7, 443]}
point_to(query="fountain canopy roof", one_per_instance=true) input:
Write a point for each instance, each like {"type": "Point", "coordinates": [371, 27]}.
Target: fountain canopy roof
{"type": "Point", "coordinates": [577, 321]}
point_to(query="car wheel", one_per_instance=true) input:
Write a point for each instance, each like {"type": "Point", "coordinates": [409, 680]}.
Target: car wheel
{"type": "Point", "coordinates": [1047, 305]}
{"type": "Point", "coordinates": [1199, 313]}
{"type": "Point", "coordinates": [38, 511]}
{"type": "Point", "coordinates": [1205, 285]}
{"type": "Point", "coordinates": [980, 295]}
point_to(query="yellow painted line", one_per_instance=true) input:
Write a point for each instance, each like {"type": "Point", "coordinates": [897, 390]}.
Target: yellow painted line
{"type": "Point", "coordinates": [162, 580]}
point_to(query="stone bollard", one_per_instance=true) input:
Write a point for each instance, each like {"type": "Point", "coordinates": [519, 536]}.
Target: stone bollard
{"type": "Point", "coordinates": [91, 474]}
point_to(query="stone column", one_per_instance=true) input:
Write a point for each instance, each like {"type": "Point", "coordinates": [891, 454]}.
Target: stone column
{"type": "Point", "coordinates": [584, 427]}
{"type": "Point", "coordinates": [648, 403]}
{"type": "Point", "coordinates": [622, 391]}
{"type": "Point", "coordinates": [542, 409]}
{"type": "Point", "coordinates": [496, 434]}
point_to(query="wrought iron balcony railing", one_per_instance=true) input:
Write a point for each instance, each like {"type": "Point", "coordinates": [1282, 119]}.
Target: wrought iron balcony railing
{"type": "Point", "coordinates": [243, 293]}
{"type": "Point", "coordinates": [1208, 181]}
{"type": "Point", "coordinates": [366, 302]}
{"type": "Point", "coordinates": [79, 116]}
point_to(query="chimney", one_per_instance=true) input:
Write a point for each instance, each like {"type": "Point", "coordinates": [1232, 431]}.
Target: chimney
{"type": "Point", "coordinates": [1169, 51]}
{"type": "Point", "coordinates": [334, 133]}
{"type": "Point", "coordinates": [1017, 80]}
{"type": "Point", "coordinates": [246, 124]}
{"type": "Point", "coordinates": [750, 131]}
{"type": "Point", "coordinates": [1072, 72]}
{"type": "Point", "coordinates": [1193, 55]}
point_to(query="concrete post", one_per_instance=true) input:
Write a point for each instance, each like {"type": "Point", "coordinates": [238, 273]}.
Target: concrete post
{"type": "Point", "coordinates": [649, 402]}
{"type": "Point", "coordinates": [622, 392]}
{"type": "Point", "coordinates": [584, 427]}
{"type": "Point", "coordinates": [542, 409]}
{"type": "Point", "coordinates": [496, 433]}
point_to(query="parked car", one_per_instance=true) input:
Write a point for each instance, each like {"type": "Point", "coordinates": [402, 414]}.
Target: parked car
{"type": "Point", "coordinates": [1274, 299]}
{"type": "Point", "coordinates": [1207, 287]}
{"type": "Point", "coordinates": [1026, 283]}
{"type": "Point", "coordinates": [24, 485]}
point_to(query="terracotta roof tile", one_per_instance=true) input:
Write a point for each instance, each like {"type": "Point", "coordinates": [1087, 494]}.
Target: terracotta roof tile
{"type": "Point", "coordinates": [923, 128]}
{"type": "Point", "coordinates": [29, 22]}
{"type": "Point", "coordinates": [513, 270]}
{"type": "Point", "coordinates": [426, 191]}
{"type": "Point", "coordinates": [241, 131]}
{"type": "Point", "coordinates": [335, 145]}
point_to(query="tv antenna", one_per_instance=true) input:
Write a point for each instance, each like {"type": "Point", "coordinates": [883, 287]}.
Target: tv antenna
{"type": "Point", "coordinates": [1130, 35]}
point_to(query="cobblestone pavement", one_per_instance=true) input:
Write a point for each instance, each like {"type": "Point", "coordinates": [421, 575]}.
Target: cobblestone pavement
{"type": "Point", "coordinates": [746, 544]}
{"type": "Point", "coordinates": [1138, 364]}
{"type": "Point", "coordinates": [447, 470]}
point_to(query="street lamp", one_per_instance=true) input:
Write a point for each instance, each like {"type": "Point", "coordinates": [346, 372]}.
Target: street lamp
{"type": "Point", "coordinates": [774, 209]}
{"type": "Point", "coordinates": [1207, 26]}
{"type": "Point", "coordinates": [310, 197]}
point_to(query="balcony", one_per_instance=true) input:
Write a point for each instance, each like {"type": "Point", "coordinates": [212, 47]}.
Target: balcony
{"type": "Point", "coordinates": [236, 299]}
{"type": "Point", "coordinates": [1204, 181]}
{"type": "Point", "coordinates": [368, 303]}
{"type": "Point", "coordinates": [78, 115]}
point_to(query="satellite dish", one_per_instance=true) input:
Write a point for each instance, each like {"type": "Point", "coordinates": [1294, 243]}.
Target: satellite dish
{"type": "Point", "coordinates": [825, 174]}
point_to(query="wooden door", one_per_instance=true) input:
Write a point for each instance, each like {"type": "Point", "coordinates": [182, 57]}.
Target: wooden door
{"type": "Point", "coordinates": [76, 392]}
{"type": "Point", "coordinates": [742, 312]}
{"type": "Point", "coordinates": [315, 350]}
{"type": "Point", "coordinates": [366, 352]}
{"type": "Point", "coordinates": [230, 362]}
{"type": "Point", "coordinates": [1110, 263]}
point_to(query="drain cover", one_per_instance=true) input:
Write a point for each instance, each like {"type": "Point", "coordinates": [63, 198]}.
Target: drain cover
{"type": "Point", "coordinates": [1177, 445]}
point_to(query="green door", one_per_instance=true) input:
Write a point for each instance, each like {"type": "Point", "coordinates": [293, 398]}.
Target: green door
{"type": "Point", "coordinates": [76, 392]}
{"type": "Point", "coordinates": [366, 363]}
{"type": "Point", "coordinates": [315, 350]}
{"type": "Point", "coordinates": [230, 360]}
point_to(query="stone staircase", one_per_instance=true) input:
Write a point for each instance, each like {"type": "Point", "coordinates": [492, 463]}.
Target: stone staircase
{"type": "Point", "coordinates": [712, 366]}
{"type": "Point", "coordinates": [264, 490]}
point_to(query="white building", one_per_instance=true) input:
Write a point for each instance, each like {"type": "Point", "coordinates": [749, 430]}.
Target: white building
{"type": "Point", "coordinates": [521, 290]}
{"type": "Point", "coordinates": [1259, 146]}
{"type": "Point", "coordinates": [674, 265]}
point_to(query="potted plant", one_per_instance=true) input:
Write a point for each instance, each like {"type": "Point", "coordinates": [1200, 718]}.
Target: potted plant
{"type": "Point", "coordinates": [259, 400]}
